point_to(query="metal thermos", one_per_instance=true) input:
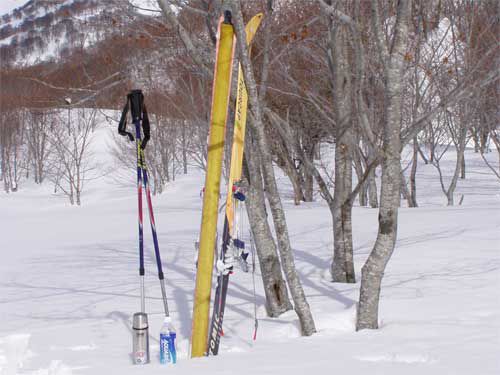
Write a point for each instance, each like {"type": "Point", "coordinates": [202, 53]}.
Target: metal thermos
{"type": "Point", "coordinates": [140, 338]}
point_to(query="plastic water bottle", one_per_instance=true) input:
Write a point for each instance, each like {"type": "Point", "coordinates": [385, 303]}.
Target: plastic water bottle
{"type": "Point", "coordinates": [167, 342]}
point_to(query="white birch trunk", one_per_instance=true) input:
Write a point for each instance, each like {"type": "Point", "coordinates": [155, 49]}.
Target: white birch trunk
{"type": "Point", "coordinates": [373, 269]}
{"type": "Point", "coordinates": [277, 301]}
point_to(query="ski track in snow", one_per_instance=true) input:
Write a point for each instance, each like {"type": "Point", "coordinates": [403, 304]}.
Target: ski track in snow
{"type": "Point", "coordinates": [69, 285]}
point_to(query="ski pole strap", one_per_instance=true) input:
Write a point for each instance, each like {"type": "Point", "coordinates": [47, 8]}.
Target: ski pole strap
{"type": "Point", "coordinates": [135, 102]}
{"type": "Point", "coordinates": [123, 123]}
{"type": "Point", "coordinates": [145, 126]}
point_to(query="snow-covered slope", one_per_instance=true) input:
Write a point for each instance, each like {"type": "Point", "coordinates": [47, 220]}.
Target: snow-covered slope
{"type": "Point", "coordinates": [47, 30]}
{"type": "Point", "coordinates": [69, 286]}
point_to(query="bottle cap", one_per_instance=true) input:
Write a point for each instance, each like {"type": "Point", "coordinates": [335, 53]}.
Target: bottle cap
{"type": "Point", "coordinates": [167, 319]}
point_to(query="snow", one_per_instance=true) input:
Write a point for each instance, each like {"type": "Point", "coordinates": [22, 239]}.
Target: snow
{"type": "Point", "coordinates": [7, 6]}
{"type": "Point", "coordinates": [8, 40]}
{"type": "Point", "coordinates": [69, 285]}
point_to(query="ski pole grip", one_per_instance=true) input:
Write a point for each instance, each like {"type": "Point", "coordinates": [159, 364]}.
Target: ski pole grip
{"type": "Point", "coordinates": [139, 112]}
{"type": "Point", "coordinates": [122, 126]}
{"type": "Point", "coordinates": [122, 131]}
{"type": "Point", "coordinates": [136, 99]}
{"type": "Point", "coordinates": [228, 17]}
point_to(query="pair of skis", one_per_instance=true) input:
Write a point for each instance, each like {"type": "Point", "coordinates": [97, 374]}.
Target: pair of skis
{"type": "Point", "coordinates": [233, 199]}
{"type": "Point", "coordinates": [201, 344]}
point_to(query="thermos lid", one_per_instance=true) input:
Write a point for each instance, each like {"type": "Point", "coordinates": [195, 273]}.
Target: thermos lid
{"type": "Point", "coordinates": [140, 321]}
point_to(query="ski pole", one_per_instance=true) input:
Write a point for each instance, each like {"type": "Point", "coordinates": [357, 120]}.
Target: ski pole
{"type": "Point", "coordinates": [138, 108]}
{"type": "Point", "coordinates": [139, 203]}
{"type": "Point", "coordinates": [153, 229]}
{"type": "Point", "coordinates": [135, 102]}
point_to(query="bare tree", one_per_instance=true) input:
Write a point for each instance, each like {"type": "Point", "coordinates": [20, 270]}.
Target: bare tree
{"type": "Point", "coordinates": [71, 163]}
{"type": "Point", "coordinates": [13, 150]}
{"type": "Point", "coordinates": [392, 58]}
{"type": "Point", "coordinates": [38, 124]}
{"type": "Point", "coordinates": [457, 135]}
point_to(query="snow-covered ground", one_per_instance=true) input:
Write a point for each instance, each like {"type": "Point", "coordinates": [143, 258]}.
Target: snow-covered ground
{"type": "Point", "coordinates": [69, 286]}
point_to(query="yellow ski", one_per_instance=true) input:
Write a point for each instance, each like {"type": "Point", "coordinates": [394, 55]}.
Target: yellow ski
{"type": "Point", "coordinates": [220, 101]}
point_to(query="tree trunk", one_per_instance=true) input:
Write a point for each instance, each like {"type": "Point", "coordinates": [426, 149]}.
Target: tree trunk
{"type": "Point", "coordinates": [496, 140]}
{"type": "Point", "coordinates": [432, 146]}
{"type": "Point", "coordinates": [287, 262]}
{"type": "Point", "coordinates": [277, 301]}
{"type": "Point", "coordinates": [476, 139]}
{"type": "Point", "coordinates": [289, 168]}
{"type": "Point", "coordinates": [372, 180]}
{"type": "Point", "coordinates": [307, 177]}
{"type": "Point", "coordinates": [373, 270]}
{"type": "Point", "coordinates": [462, 168]}
{"type": "Point", "coordinates": [405, 194]}
{"type": "Point", "coordinates": [298, 194]}
{"type": "Point", "coordinates": [426, 161]}
{"type": "Point", "coordinates": [458, 165]}
{"type": "Point", "coordinates": [412, 202]}
{"type": "Point", "coordinates": [342, 267]}
{"type": "Point", "coordinates": [372, 190]}
{"type": "Point", "coordinates": [184, 148]}
{"type": "Point", "coordinates": [358, 167]}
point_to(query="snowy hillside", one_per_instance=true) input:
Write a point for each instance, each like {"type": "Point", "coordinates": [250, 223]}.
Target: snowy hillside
{"type": "Point", "coordinates": [69, 285]}
{"type": "Point", "coordinates": [38, 31]}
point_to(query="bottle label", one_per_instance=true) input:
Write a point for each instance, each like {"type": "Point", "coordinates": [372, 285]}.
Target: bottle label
{"type": "Point", "coordinates": [173, 353]}
{"type": "Point", "coordinates": [164, 348]}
